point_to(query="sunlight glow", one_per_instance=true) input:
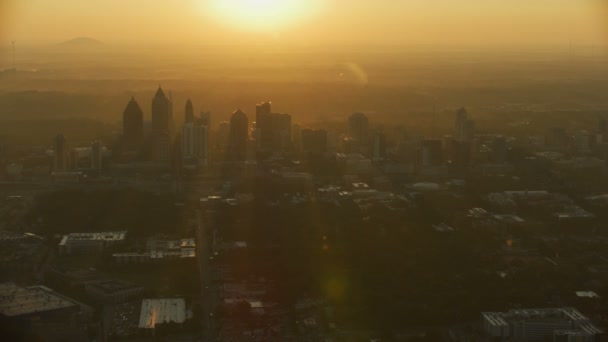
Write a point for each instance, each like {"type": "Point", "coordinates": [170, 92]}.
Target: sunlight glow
{"type": "Point", "coordinates": [266, 15]}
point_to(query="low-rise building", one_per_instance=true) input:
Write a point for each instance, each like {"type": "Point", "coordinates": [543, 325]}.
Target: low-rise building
{"type": "Point", "coordinates": [539, 325]}
{"type": "Point", "coordinates": [160, 250]}
{"type": "Point", "coordinates": [36, 303]}
{"type": "Point", "coordinates": [113, 290]}
{"type": "Point", "coordinates": [89, 243]}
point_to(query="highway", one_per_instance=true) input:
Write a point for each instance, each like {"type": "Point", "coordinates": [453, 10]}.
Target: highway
{"type": "Point", "coordinates": [209, 288]}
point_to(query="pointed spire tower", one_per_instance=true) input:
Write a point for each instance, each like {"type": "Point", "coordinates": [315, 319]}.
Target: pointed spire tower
{"type": "Point", "coordinates": [162, 126]}
{"type": "Point", "coordinates": [133, 124]}
{"type": "Point", "coordinates": [189, 112]}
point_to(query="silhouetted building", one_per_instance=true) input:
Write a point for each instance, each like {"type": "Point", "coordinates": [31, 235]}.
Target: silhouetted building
{"type": "Point", "coordinates": [358, 125]}
{"type": "Point", "coordinates": [205, 119]}
{"type": "Point", "coordinates": [314, 141]}
{"type": "Point", "coordinates": [378, 146]}
{"type": "Point", "coordinates": [296, 134]}
{"type": "Point", "coordinates": [61, 160]}
{"type": "Point", "coordinates": [162, 126]}
{"type": "Point", "coordinates": [189, 112]}
{"type": "Point", "coordinates": [195, 140]}
{"type": "Point", "coordinates": [96, 155]}
{"type": "Point", "coordinates": [263, 123]}
{"type": "Point", "coordinates": [281, 132]}
{"type": "Point", "coordinates": [272, 130]}
{"type": "Point", "coordinates": [239, 133]}
{"type": "Point", "coordinates": [465, 127]}
{"type": "Point", "coordinates": [431, 153]}
{"type": "Point", "coordinates": [581, 142]}
{"type": "Point", "coordinates": [223, 134]}
{"type": "Point", "coordinates": [460, 154]}
{"type": "Point", "coordinates": [133, 125]}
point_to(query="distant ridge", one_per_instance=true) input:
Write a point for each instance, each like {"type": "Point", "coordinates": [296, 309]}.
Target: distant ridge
{"type": "Point", "coordinates": [82, 41]}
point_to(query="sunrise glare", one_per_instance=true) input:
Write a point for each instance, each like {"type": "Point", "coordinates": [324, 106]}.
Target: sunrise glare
{"type": "Point", "coordinates": [261, 14]}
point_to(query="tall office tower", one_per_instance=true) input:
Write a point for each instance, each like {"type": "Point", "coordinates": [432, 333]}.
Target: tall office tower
{"type": "Point", "coordinates": [378, 146]}
{"type": "Point", "coordinates": [314, 141]}
{"type": "Point", "coordinates": [358, 125]}
{"type": "Point", "coordinates": [195, 142]}
{"type": "Point", "coordinates": [205, 119]}
{"type": "Point", "coordinates": [281, 132]}
{"type": "Point", "coordinates": [581, 142]}
{"type": "Point", "coordinates": [460, 154]}
{"type": "Point", "coordinates": [261, 110]}
{"type": "Point", "coordinates": [431, 153]}
{"type": "Point", "coordinates": [223, 134]}
{"type": "Point", "coordinates": [162, 113]}
{"type": "Point", "coordinates": [133, 125]}
{"type": "Point", "coordinates": [189, 112]}
{"type": "Point", "coordinates": [296, 134]}
{"type": "Point", "coordinates": [239, 133]}
{"type": "Point", "coordinates": [465, 127]}
{"type": "Point", "coordinates": [263, 124]}
{"type": "Point", "coordinates": [162, 126]}
{"type": "Point", "coordinates": [96, 155]}
{"type": "Point", "coordinates": [61, 154]}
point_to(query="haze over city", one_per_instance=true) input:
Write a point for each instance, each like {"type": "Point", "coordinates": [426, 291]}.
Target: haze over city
{"type": "Point", "coordinates": [304, 170]}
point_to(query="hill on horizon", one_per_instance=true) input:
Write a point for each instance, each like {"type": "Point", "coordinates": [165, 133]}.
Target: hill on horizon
{"type": "Point", "coordinates": [82, 41]}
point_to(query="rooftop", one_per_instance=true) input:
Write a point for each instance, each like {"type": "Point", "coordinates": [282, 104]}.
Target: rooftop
{"type": "Point", "coordinates": [102, 236]}
{"type": "Point", "coordinates": [111, 286]}
{"type": "Point", "coordinates": [18, 301]}
{"type": "Point", "coordinates": [164, 310]}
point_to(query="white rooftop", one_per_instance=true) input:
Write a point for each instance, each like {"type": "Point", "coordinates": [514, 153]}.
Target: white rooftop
{"type": "Point", "coordinates": [101, 236]}
{"type": "Point", "coordinates": [158, 311]}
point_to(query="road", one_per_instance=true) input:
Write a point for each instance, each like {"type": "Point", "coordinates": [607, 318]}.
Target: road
{"type": "Point", "coordinates": [209, 288]}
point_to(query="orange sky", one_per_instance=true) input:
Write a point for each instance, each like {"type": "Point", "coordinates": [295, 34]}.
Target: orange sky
{"type": "Point", "coordinates": [494, 22]}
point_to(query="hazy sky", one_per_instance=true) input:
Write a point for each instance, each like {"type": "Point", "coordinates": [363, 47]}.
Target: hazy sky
{"type": "Point", "coordinates": [496, 22]}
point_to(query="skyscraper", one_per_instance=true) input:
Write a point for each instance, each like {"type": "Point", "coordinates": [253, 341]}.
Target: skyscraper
{"type": "Point", "coordinates": [195, 140]}
{"type": "Point", "coordinates": [239, 133]}
{"type": "Point", "coordinates": [358, 125]}
{"type": "Point", "coordinates": [189, 112]}
{"type": "Point", "coordinates": [205, 119]}
{"type": "Point", "coordinates": [431, 153]}
{"type": "Point", "coordinates": [162, 112]}
{"type": "Point", "coordinates": [61, 154]}
{"type": "Point", "coordinates": [464, 127]}
{"type": "Point", "coordinates": [314, 141]}
{"type": "Point", "coordinates": [281, 132]}
{"type": "Point", "coordinates": [378, 146]}
{"type": "Point", "coordinates": [133, 125]}
{"type": "Point", "coordinates": [296, 134]}
{"type": "Point", "coordinates": [263, 124]}
{"type": "Point", "coordinates": [162, 126]}
{"type": "Point", "coordinates": [261, 110]}
{"type": "Point", "coordinates": [223, 134]}
{"type": "Point", "coordinates": [96, 155]}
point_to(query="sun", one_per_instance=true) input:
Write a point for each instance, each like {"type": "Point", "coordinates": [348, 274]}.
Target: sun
{"type": "Point", "coordinates": [262, 14]}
